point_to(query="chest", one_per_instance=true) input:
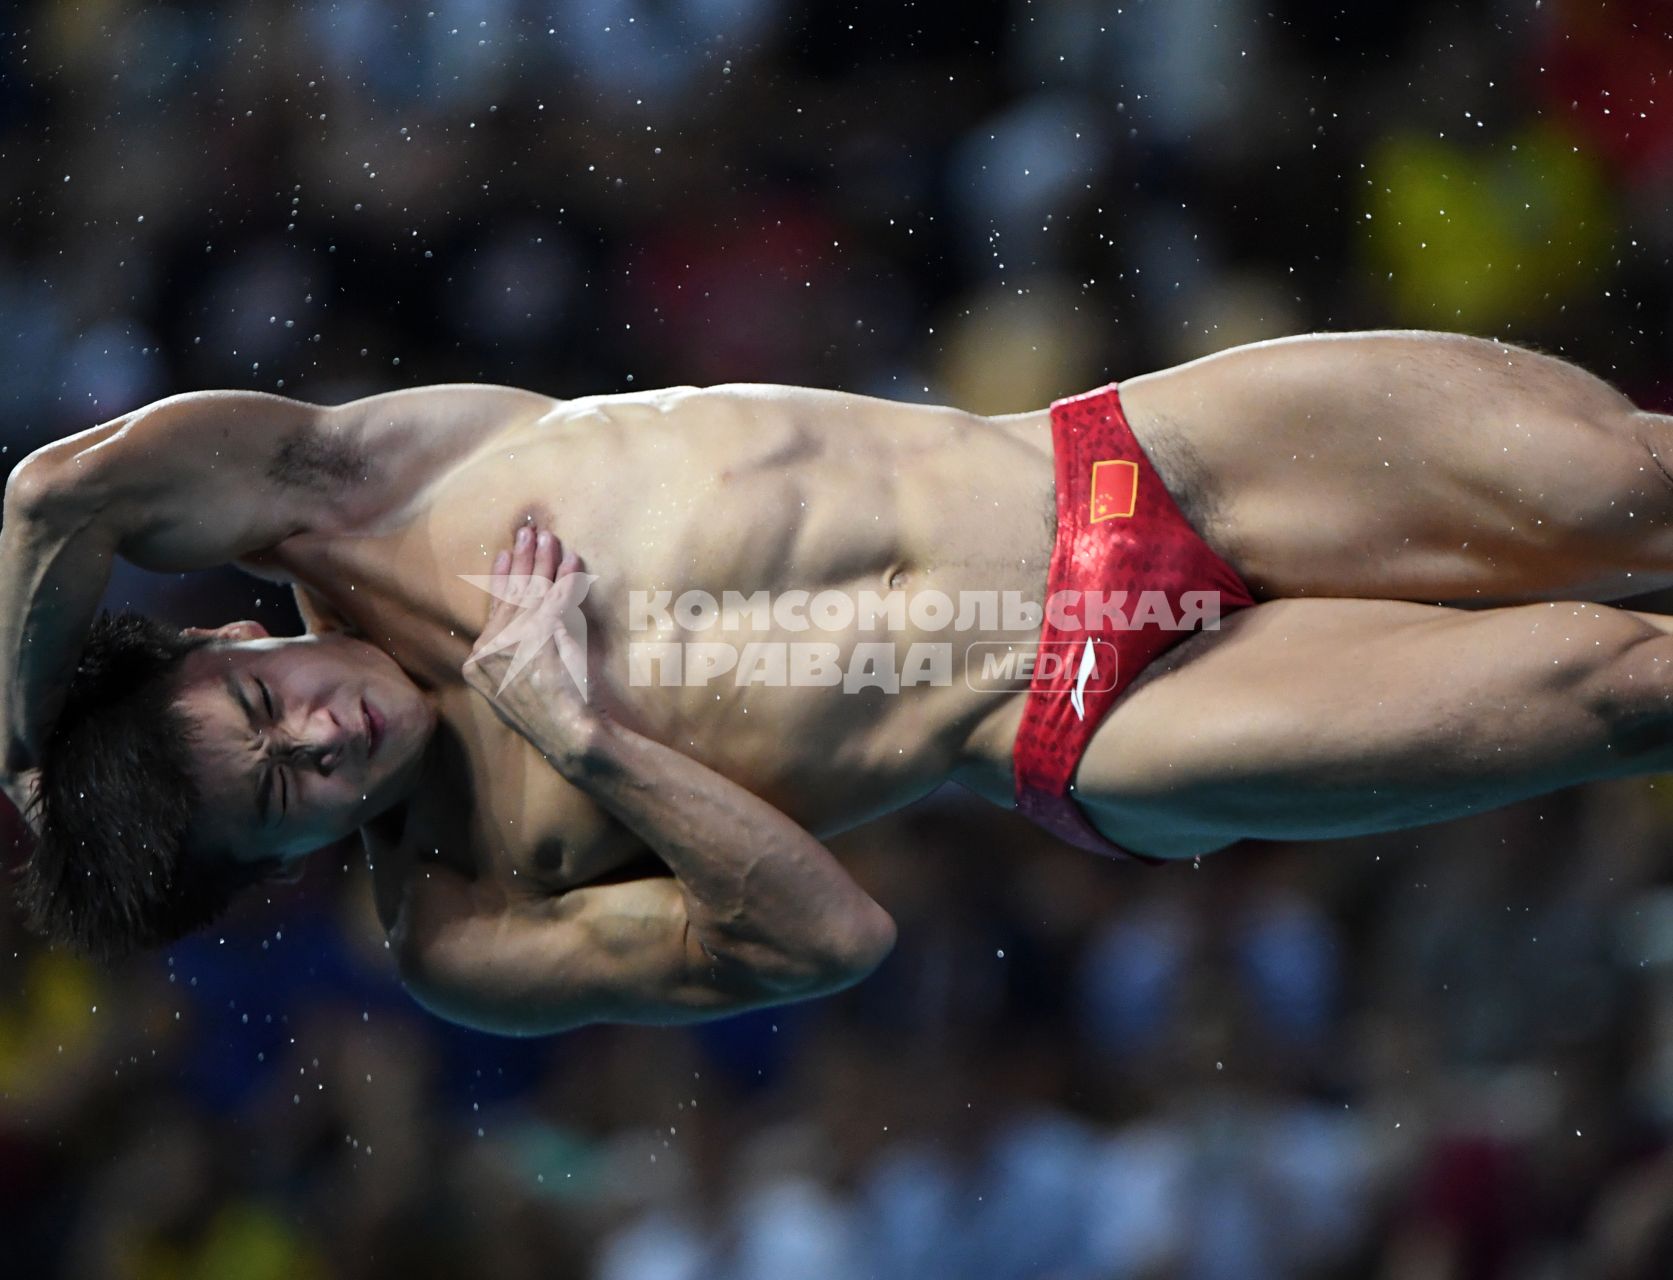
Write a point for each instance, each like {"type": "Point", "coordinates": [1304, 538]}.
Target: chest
{"type": "Point", "coordinates": [489, 807]}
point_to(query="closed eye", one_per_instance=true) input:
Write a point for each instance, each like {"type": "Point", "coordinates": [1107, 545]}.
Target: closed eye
{"type": "Point", "coordinates": [278, 781]}
{"type": "Point", "coordinates": [240, 694]}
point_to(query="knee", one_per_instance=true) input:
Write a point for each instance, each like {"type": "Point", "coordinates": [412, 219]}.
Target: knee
{"type": "Point", "coordinates": [1623, 676]}
{"type": "Point", "coordinates": [1650, 437]}
{"type": "Point", "coordinates": [1635, 451]}
{"type": "Point", "coordinates": [1615, 488]}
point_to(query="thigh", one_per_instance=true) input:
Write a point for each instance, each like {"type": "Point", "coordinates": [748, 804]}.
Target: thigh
{"type": "Point", "coordinates": [1309, 719]}
{"type": "Point", "coordinates": [1413, 466]}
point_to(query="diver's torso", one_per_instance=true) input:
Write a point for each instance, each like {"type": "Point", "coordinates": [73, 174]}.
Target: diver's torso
{"type": "Point", "coordinates": [742, 489]}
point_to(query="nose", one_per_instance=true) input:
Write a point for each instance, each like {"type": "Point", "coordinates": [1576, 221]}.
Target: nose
{"type": "Point", "coordinates": [325, 743]}
{"type": "Point", "coordinates": [324, 757]}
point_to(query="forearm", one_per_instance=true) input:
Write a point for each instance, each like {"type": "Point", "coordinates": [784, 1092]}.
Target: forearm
{"type": "Point", "coordinates": [55, 561]}
{"type": "Point", "coordinates": [757, 912]}
{"type": "Point", "coordinates": [759, 889]}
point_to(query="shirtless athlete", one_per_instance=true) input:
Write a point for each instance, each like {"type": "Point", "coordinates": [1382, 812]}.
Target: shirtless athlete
{"type": "Point", "coordinates": [1422, 516]}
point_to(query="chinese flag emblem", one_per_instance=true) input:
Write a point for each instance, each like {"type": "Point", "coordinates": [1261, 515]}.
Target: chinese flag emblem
{"type": "Point", "coordinates": [1115, 490]}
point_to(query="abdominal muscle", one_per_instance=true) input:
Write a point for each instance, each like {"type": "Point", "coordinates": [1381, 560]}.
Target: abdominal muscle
{"type": "Point", "coordinates": [720, 492]}
{"type": "Point", "coordinates": [862, 498]}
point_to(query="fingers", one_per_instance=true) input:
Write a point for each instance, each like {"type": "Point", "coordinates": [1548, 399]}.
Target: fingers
{"type": "Point", "coordinates": [545, 555]}
{"type": "Point", "coordinates": [536, 553]}
{"type": "Point", "coordinates": [523, 576]}
{"type": "Point", "coordinates": [522, 559]}
{"type": "Point", "coordinates": [513, 579]}
{"type": "Point", "coordinates": [502, 566]}
{"type": "Point", "coordinates": [536, 581]}
{"type": "Point", "coordinates": [571, 563]}
{"type": "Point", "coordinates": [568, 591]}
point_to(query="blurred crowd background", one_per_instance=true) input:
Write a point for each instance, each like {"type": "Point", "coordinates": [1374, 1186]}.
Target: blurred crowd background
{"type": "Point", "coordinates": [1442, 1055]}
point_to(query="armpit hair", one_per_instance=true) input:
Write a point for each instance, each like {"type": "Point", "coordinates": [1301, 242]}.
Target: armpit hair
{"type": "Point", "coordinates": [307, 460]}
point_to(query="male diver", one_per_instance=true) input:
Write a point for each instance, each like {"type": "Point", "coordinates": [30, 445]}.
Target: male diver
{"type": "Point", "coordinates": [1318, 586]}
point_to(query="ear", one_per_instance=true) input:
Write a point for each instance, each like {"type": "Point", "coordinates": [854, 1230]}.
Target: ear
{"type": "Point", "coordinates": [246, 630]}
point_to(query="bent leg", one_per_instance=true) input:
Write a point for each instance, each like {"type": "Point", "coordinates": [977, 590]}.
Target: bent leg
{"type": "Point", "coordinates": [1415, 466]}
{"type": "Point", "coordinates": [1312, 719]}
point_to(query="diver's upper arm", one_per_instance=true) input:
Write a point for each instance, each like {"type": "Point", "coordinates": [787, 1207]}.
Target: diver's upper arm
{"type": "Point", "coordinates": [200, 479]}
{"type": "Point", "coordinates": [208, 477]}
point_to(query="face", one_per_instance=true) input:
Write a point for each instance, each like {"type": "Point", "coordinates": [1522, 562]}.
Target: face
{"type": "Point", "coordinates": [301, 739]}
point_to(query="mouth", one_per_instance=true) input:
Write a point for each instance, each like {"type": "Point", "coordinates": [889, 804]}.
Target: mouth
{"type": "Point", "coordinates": [374, 728]}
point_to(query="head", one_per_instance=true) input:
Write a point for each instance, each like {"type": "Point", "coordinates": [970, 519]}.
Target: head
{"type": "Point", "coordinates": [188, 765]}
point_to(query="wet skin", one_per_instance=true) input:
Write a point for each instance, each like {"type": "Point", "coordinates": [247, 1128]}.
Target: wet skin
{"type": "Point", "coordinates": [752, 488]}
{"type": "Point", "coordinates": [300, 739]}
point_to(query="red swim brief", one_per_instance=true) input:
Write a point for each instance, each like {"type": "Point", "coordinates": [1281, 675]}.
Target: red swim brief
{"type": "Point", "coordinates": [1121, 536]}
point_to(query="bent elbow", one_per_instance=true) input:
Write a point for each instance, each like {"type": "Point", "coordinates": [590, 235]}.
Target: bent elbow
{"type": "Point", "coordinates": [862, 944]}
{"type": "Point", "coordinates": [875, 938]}
{"type": "Point", "coordinates": [837, 955]}
{"type": "Point", "coordinates": [37, 489]}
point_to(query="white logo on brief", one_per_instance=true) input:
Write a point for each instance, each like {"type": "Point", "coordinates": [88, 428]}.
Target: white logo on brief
{"type": "Point", "coordinates": [1088, 665]}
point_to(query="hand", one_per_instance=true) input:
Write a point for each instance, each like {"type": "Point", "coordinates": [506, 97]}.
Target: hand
{"type": "Point", "coordinates": [530, 661]}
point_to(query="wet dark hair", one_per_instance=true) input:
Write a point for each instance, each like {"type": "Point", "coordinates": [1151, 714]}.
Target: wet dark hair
{"type": "Point", "coordinates": [113, 869]}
